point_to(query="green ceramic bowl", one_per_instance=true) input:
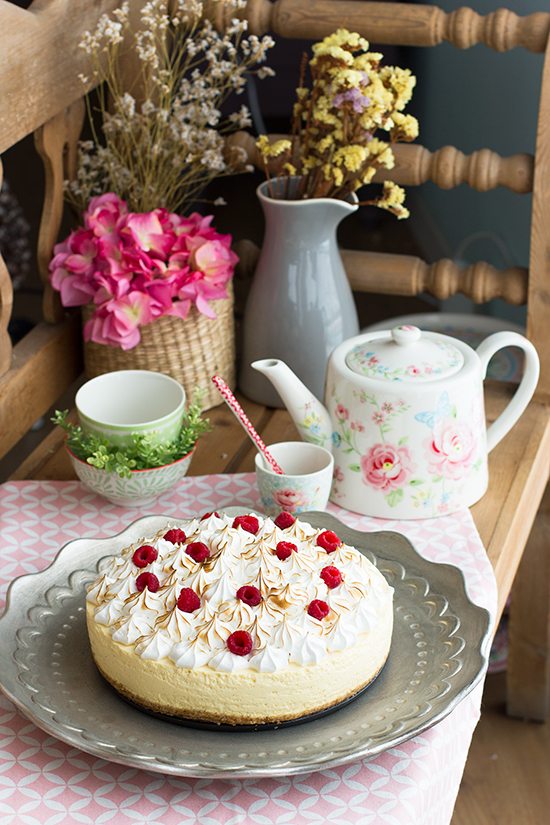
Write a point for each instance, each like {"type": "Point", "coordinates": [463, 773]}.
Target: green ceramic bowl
{"type": "Point", "coordinates": [141, 488]}
{"type": "Point", "coordinates": [117, 405]}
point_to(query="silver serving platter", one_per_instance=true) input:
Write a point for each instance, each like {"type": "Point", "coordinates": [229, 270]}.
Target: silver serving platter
{"type": "Point", "coordinates": [439, 653]}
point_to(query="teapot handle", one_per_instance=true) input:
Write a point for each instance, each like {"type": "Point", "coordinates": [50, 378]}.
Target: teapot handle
{"type": "Point", "coordinates": [524, 392]}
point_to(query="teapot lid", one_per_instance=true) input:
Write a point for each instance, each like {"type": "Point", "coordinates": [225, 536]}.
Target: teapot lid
{"type": "Point", "coordinates": [406, 354]}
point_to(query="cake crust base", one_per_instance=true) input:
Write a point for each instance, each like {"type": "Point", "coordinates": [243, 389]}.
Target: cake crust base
{"type": "Point", "coordinates": [220, 720]}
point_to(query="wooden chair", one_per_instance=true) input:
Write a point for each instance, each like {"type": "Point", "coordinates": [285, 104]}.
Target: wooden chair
{"type": "Point", "coordinates": [41, 94]}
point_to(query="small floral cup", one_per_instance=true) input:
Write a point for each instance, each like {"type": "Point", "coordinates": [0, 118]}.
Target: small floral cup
{"type": "Point", "coordinates": [306, 482]}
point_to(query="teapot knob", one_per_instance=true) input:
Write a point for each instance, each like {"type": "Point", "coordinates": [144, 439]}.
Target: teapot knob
{"type": "Point", "coordinates": [405, 334]}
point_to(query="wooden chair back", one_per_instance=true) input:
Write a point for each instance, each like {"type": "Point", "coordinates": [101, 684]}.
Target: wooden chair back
{"type": "Point", "coordinates": [42, 94]}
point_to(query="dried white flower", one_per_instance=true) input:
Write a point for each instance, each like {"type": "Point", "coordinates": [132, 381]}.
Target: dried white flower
{"type": "Point", "coordinates": [164, 148]}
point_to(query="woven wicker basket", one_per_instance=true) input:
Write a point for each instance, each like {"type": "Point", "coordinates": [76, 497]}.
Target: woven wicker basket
{"type": "Point", "coordinates": [190, 350]}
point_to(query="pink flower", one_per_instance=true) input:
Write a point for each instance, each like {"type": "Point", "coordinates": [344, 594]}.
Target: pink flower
{"type": "Point", "coordinates": [75, 291]}
{"type": "Point", "coordinates": [412, 370]}
{"type": "Point", "coordinates": [289, 499]}
{"type": "Point", "coordinates": [117, 322]}
{"type": "Point", "coordinates": [451, 448]}
{"type": "Point", "coordinates": [81, 248]}
{"type": "Point", "coordinates": [144, 233]}
{"type": "Point", "coordinates": [214, 259]}
{"type": "Point", "coordinates": [103, 214]}
{"type": "Point", "coordinates": [338, 474]}
{"type": "Point", "coordinates": [386, 467]}
{"type": "Point", "coordinates": [378, 417]}
{"type": "Point", "coordinates": [135, 267]}
{"type": "Point", "coordinates": [342, 413]}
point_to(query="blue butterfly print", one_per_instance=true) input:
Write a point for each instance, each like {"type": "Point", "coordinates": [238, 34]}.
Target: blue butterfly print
{"type": "Point", "coordinates": [443, 410]}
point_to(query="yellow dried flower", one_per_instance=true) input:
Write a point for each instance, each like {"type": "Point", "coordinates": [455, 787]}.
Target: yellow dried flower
{"type": "Point", "coordinates": [272, 150]}
{"type": "Point", "coordinates": [351, 157]}
{"type": "Point", "coordinates": [333, 173]}
{"type": "Point", "coordinates": [325, 144]}
{"type": "Point", "coordinates": [393, 198]}
{"type": "Point", "coordinates": [335, 124]}
{"type": "Point", "coordinates": [335, 52]}
{"type": "Point", "coordinates": [405, 127]}
{"type": "Point", "coordinates": [343, 37]}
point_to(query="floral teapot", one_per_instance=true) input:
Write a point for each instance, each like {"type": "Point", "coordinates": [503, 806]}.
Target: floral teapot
{"type": "Point", "coordinates": [405, 418]}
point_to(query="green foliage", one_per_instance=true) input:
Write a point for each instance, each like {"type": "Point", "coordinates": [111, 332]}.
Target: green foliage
{"type": "Point", "coordinates": [142, 453]}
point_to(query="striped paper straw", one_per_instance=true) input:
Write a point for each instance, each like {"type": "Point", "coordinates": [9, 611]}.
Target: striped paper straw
{"type": "Point", "coordinates": [245, 422]}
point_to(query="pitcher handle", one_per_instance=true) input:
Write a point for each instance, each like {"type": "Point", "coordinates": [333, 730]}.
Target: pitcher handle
{"type": "Point", "coordinates": [526, 388]}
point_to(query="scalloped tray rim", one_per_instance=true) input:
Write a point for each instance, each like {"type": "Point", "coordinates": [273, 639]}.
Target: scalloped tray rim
{"type": "Point", "coordinates": [198, 769]}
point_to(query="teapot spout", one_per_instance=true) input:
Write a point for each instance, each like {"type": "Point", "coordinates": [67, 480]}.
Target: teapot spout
{"type": "Point", "coordinates": [309, 415]}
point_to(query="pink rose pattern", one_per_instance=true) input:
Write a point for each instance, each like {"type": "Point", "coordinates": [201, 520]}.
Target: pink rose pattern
{"type": "Point", "coordinates": [137, 267]}
{"type": "Point", "coordinates": [451, 449]}
{"type": "Point", "coordinates": [386, 467]}
{"type": "Point", "coordinates": [289, 499]}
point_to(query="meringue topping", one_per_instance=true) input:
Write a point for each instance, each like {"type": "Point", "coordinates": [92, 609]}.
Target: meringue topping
{"type": "Point", "coordinates": [283, 634]}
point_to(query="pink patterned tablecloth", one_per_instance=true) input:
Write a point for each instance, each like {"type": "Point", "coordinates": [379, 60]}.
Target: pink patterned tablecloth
{"type": "Point", "coordinates": [45, 782]}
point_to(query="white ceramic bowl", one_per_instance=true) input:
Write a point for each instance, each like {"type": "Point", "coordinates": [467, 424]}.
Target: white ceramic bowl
{"type": "Point", "coordinates": [123, 403]}
{"type": "Point", "coordinates": [142, 487]}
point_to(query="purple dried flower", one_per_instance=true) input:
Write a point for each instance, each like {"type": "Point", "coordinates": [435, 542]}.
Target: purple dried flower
{"type": "Point", "coordinates": [358, 100]}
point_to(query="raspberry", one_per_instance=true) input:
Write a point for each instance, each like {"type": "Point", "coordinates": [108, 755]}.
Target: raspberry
{"type": "Point", "coordinates": [144, 555]}
{"type": "Point", "coordinates": [284, 520]}
{"type": "Point", "coordinates": [248, 523]}
{"type": "Point", "coordinates": [239, 643]}
{"type": "Point", "coordinates": [331, 576]}
{"type": "Point", "coordinates": [285, 549]}
{"type": "Point", "coordinates": [188, 601]}
{"type": "Point", "coordinates": [318, 609]}
{"type": "Point", "coordinates": [197, 550]}
{"type": "Point", "coordinates": [212, 513]}
{"type": "Point", "coordinates": [175, 535]}
{"type": "Point", "coordinates": [249, 595]}
{"type": "Point", "coordinates": [329, 541]}
{"type": "Point", "coordinates": [147, 580]}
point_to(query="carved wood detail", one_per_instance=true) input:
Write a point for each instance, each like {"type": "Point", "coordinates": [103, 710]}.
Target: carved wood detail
{"type": "Point", "coordinates": [447, 167]}
{"type": "Point", "coordinates": [6, 304]}
{"type": "Point", "coordinates": [56, 142]}
{"type": "Point", "coordinates": [408, 275]}
{"type": "Point", "coordinates": [400, 24]}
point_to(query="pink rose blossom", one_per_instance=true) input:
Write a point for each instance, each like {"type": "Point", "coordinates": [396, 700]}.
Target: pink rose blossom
{"type": "Point", "coordinates": [103, 214]}
{"type": "Point", "coordinates": [451, 448]}
{"type": "Point", "coordinates": [342, 413]}
{"type": "Point", "coordinates": [120, 322]}
{"type": "Point", "coordinates": [74, 290]}
{"type": "Point", "coordinates": [289, 499]}
{"type": "Point", "coordinates": [135, 267]}
{"type": "Point", "coordinates": [386, 467]}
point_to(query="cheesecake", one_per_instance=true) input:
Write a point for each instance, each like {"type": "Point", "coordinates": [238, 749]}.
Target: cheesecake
{"type": "Point", "coordinates": [239, 620]}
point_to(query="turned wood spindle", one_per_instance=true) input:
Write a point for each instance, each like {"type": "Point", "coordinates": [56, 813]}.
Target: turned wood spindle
{"type": "Point", "coordinates": [409, 275]}
{"type": "Point", "coordinates": [399, 24]}
{"type": "Point", "coordinates": [449, 167]}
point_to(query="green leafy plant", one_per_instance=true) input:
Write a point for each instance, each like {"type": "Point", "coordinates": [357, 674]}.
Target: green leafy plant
{"type": "Point", "coordinates": [142, 453]}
